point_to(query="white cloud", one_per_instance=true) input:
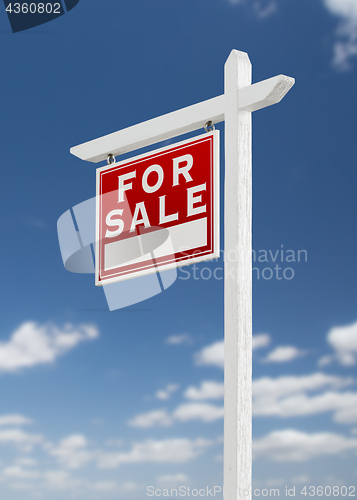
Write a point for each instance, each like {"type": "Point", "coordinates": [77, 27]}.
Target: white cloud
{"type": "Point", "coordinates": [291, 445]}
{"type": "Point", "coordinates": [183, 413]}
{"type": "Point", "coordinates": [292, 384]}
{"type": "Point", "coordinates": [303, 479]}
{"type": "Point", "coordinates": [283, 397]}
{"type": "Point", "coordinates": [236, 2]}
{"type": "Point", "coordinates": [114, 442]}
{"type": "Point", "coordinates": [60, 480]}
{"type": "Point", "coordinates": [343, 339]}
{"type": "Point", "coordinates": [14, 420]}
{"type": "Point", "coordinates": [344, 405]}
{"type": "Point", "coordinates": [151, 451]}
{"type": "Point", "coordinates": [179, 339]}
{"type": "Point", "coordinates": [344, 50]}
{"type": "Point", "coordinates": [22, 440]}
{"type": "Point", "coordinates": [172, 480]}
{"type": "Point", "coordinates": [209, 389]}
{"type": "Point", "coordinates": [105, 486]}
{"type": "Point", "coordinates": [263, 11]}
{"type": "Point", "coordinates": [346, 408]}
{"type": "Point", "coordinates": [325, 361]}
{"type": "Point", "coordinates": [343, 8]}
{"type": "Point", "coordinates": [72, 452]}
{"type": "Point", "coordinates": [32, 344]}
{"type": "Point", "coordinates": [21, 486]}
{"type": "Point", "coordinates": [165, 394]}
{"type": "Point", "coordinates": [213, 354]}
{"type": "Point", "coordinates": [261, 8]}
{"type": "Point", "coordinates": [129, 486]}
{"type": "Point", "coordinates": [274, 482]}
{"type": "Point", "coordinates": [260, 340]}
{"type": "Point", "coordinates": [198, 411]}
{"type": "Point", "coordinates": [282, 354]}
{"type": "Point", "coordinates": [26, 462]}
{"type": "Point", "coordinates": [17, 472]}
{"type": "Point", "coordinates": [150, 419]}
{"type": "Point", "coordinates": [286, 397]}
{"type": "Point", "coordinates": [162, 394]}
{"type": "Point", "coordinates": [346, 43]}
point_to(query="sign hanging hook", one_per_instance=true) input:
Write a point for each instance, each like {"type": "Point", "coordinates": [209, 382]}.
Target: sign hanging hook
{"type": "Point", "coordinates": [209, 127]}
{"type": "Point", "coordinates": [110, 159]}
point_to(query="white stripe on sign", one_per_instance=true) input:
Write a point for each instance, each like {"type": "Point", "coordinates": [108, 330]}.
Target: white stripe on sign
{"type": "Point", "coordinates": [183, 237]}
{"type": "Point", "coordinates": [112, 256]}
{"type": "Point", "coordinates": [187, 236]}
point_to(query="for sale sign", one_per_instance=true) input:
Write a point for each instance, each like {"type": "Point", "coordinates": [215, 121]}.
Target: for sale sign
{"type": "Point", "coordinates": [158, 210]}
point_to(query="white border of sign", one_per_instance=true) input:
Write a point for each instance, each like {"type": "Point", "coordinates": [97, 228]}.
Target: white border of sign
{"type": "Point", "coordinates": [215, 211]}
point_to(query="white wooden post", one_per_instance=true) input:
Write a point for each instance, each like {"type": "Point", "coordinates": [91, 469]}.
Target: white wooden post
{"type": "Point", "coordinates": [235, 106]}
{"type": "Point", "coordinates": [238, 283]}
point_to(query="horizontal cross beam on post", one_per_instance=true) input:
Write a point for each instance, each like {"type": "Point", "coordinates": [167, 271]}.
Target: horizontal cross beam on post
{"type": "Point", "coordinates": [263, 94]}
{"type": "Point", "coordinates": [182, 121]}
{"type": "Point", "coordinates": [158, 129]}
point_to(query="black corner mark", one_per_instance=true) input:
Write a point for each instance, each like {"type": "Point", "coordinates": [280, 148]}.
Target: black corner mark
{"type": "Point", "coordinates": [24, 15]}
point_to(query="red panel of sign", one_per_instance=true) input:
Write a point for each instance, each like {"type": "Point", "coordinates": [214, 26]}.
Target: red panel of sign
{"type": "Point", "coordinates": [159, 210]}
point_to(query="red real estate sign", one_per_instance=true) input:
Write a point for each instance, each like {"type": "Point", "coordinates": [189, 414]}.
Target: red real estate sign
{"type": "Point", "coordinates": [158, 211]}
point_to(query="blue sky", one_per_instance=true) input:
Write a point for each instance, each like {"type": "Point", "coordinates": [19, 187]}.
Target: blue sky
{"type": "Point", "coordinates": [100, 404]}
